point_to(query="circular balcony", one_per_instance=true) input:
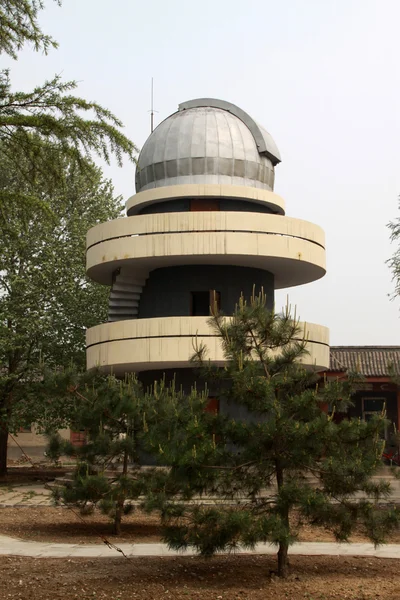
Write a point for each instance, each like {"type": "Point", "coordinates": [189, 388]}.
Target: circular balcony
{"type": "Point", "coordinates": [168, 343]}
{"type": "Point", "coordinates": [292, 249]}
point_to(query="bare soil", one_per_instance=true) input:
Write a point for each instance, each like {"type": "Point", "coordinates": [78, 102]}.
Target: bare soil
{"type": "Point", "coordinates": [226, 578]}
{"type": "Point", "coordinates": [62, 525]}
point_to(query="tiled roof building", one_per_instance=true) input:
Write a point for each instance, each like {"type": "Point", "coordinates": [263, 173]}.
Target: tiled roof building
{"type": "Point", "coordinates": [380, 389]}
{"type": "Point", "coordinates": [371, 361]}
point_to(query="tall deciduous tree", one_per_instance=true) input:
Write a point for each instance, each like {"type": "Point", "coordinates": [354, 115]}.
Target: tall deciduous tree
{"type": "Point", "coordinates": [74, 126]}
{"type": "Point", "coordinates": [46, 302]}
{"type": "Point", "coordinates": [278, 455]}
{"type": "Point", "coordinates": [19, 25]}
{"type": "Point", "coordinates": [50, 194]}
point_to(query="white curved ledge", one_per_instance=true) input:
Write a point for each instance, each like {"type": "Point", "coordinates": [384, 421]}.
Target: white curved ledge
{"type": "Point", "coordinates": [173, 192]}
{"type": "Point", "coordinates": [168, 343]}
{"type": "Point", "coordinates": [292, 249]}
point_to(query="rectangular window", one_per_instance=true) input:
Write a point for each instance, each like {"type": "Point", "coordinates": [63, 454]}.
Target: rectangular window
{"type": "Point", "coordinates": [212, 406]}
{"type": "Point", "coordinates": [202, 302]}
{"type": "Point", "coordinates": [372, 407]}
{"type": "Point", "coordinates": [78, 438]}
{"type": "Point", "coordinates": [202, 204]}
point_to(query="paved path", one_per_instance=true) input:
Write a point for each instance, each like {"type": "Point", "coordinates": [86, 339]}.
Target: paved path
{"type": "Point", "coordinates": [24, 495]}
{"type": "Point", "coordinates": [15, 547]}
{"type": "Point", "coordinates": [38, 495]}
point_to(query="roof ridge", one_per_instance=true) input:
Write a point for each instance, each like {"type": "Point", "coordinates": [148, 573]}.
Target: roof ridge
{"type": "Point", "coordinates": [365, 347]}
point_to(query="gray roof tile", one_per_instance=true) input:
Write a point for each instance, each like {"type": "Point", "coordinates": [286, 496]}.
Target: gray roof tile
{"type": "Point", "coordinates": [371, 361]}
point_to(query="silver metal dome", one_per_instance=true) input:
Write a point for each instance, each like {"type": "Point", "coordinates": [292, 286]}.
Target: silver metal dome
{"type": "Point", "coordinates": [208, 141]}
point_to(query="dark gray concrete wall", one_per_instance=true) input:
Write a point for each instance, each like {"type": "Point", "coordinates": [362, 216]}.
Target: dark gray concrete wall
{"type": "Point", "coordinates": [167, 292]}
{"type": "Point", "coordinates": [179, 205]}
{"type": "Point", "coordinates": [229, 204]}
{"type": "Point", "coordinates": [186, 378]}
{"type": "Point", "coordinates": [183, 205]}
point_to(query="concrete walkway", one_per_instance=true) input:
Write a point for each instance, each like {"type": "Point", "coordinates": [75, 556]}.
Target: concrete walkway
{"type": "Point", "coordinates": [23, 496]}
{"type": "Point", "coordinates": [15, 547]}
{"type": "Point", "coordinates": [37, 494]}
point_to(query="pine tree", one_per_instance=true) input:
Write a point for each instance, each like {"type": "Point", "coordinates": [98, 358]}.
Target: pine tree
{"type": "Point", "coordinates": [282, 460]}
{"type": "Point", "coordinates": [112, 413]}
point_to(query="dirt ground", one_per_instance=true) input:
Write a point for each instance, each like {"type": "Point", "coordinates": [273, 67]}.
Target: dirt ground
{"type": "Point", "coordinates": [151, 578]}
{"type": "Point", "coordinates": [230, 578]}
{"type": "Point", "coordinates": [223, 578]}
{"type": "Point", "coordinates": [50, 524]}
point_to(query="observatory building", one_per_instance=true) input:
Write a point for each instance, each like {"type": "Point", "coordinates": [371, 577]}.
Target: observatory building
{"type": "Point", "coordinates": [204, 226]}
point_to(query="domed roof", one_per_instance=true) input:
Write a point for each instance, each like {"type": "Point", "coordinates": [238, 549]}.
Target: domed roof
{"type": "Point", "coordinates": [208, 141]}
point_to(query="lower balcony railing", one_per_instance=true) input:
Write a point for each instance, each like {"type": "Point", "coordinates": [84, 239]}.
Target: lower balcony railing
{"type": "Point", "coordinates": [169, 342]}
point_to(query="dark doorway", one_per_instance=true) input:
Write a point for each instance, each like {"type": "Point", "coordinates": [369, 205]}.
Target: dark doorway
{"type": "Point", "coordinates": [201, 302]}
{"type": "Point", "coordinates": [212, 406]}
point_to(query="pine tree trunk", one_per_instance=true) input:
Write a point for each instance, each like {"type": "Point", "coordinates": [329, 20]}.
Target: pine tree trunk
{"type": "Point", "coordinates": [3, 449]}
{"type": "Point", "coordinates": [117, 520]}
{"type": "Point", "coordinates": [283, 561]}
{"type": "Point", "coordinates": [119, 509]}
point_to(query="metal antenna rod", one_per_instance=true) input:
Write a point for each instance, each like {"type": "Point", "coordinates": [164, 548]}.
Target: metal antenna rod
{"type": "Point", "coordinates": [152, 111]}
{"type": "Point", "coordinates": [152, 108]}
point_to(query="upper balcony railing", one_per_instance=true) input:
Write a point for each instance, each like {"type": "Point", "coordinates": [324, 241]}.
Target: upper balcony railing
{"type": "Point", "coordinates": [292, 249]}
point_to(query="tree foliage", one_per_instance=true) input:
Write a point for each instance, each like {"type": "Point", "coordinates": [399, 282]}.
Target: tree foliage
{"type": "Point", "coordinates": [50, 194]}
{"type": "Point", "coordinates": [50, 114]}
{"type": "Point", "coordinates": [46, 301]}
{"type": "Point", "coordinates": [19, 25]}
{"type": "Point", "coordinates": [117, 417]}
{"type": "Point", "coordinates": [113, 414]}
{"type": "Point", "coordinates": [394, 261]}
{"type": "Point", "coordinates": [58, 117]}
{"type": "Point", "coordinates": [273, 457]}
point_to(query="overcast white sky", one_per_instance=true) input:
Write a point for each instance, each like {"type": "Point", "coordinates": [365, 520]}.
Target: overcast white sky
{"type": "Point", "coordinates": [322, 76]}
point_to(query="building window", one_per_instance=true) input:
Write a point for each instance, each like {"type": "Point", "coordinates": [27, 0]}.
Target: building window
{"type": "Point", "coordinates": [212, 406]}
{"type": "Point", "coordinates": [202, 303]}
{"type": "Point", "coordinates": [203, 204]}
{"type": "Point", "coordinates": [27, 429]}
{"type": "Point", "coordinates": [78, 438]}
{"type": "Point", "coordinates": [372, 407]}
